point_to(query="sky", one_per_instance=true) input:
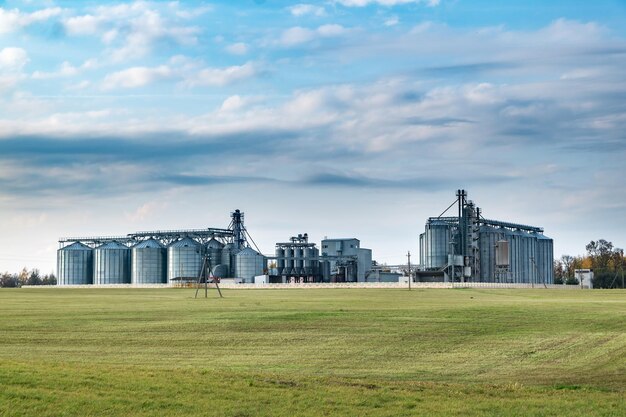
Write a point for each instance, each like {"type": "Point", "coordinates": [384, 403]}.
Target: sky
{"type": "Point", "coordinates": [344, 118]}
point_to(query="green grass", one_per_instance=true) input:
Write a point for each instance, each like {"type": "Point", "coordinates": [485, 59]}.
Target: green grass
{"type": "Point", "coordinates": [131, 352]}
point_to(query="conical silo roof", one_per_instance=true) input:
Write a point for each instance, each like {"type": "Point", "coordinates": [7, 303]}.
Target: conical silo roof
{"type": "Point", "coordinates": [76, 246]}
{"type": "Point", "coordinates": [112, 245]}
{"type": "Point", "coordinates": [185, 242]}
{"type": "Point", "coordinates": [150, 243]}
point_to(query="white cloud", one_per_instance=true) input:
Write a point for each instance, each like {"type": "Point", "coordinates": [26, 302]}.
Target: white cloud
{"type": "Point", "coordinates": [12, 20]}
{"type": "Point", "coordinates": [307, 9]}
{"type": "Point", "coordinates": [298, 35]}
{"type": "Point", "coordinates": [363, 3]}
{"type": "Point", "coordinates": [221, 76]}
{"type": "Point", "coordinates": [12, 59]}
{"type": "Point", "coordinates": [233, 103]}
{"type": "Point", "coordinates": [136, 77]}
{"type": "Point", "coordinates": [65, 70]}
{"type": "Point", "coordinates": [392, 21]}
{"type": "Point", "coordinates": [238, 48]}
{"type": "Point", "coordinates": [132, 30]}
{"type": "Point", "coordinates": [188, 72]}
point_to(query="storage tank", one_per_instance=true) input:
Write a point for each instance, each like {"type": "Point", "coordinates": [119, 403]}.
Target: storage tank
{"type": "Point", "coordinates": [529, 253]}
{"type": "Point", "coordinates": [299, 260]}
{"type": "Point", "coordinates": [289, 260]}
{"type": "Point", "coordinates": [149, 263]}
{"type": "Point", "coordinates": [184, 260]}
{"type": "Point", "coordinates": [311, 264]}
{"type": "Point", "coordinates": [487, 238]}
{"type": "Point", "coordinates": [436, 244]}
{"type": "Point", "coordinates": [214, 250]}
{"type": "Point", "coordinates": [75, 265]}
{"type": "Point", "coordinates": [280, 263]}
{"type": "Point", "coordinates": [545, 259]}
{"type": "Point", "coordinates": [228, 259]}
{"type": "Point", "coordinates": [248, 264]}
{"type": "Point", "coordinates": [111, 264]}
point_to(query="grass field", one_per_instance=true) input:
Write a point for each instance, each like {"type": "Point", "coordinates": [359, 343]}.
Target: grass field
{"type": "Point", "coordinates": [132, 352]}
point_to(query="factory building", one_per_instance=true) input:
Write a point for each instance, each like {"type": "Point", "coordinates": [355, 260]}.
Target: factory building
{"type": "Point", "coordinates": [159, 257]}
{"type": "Point", "coordinates": [341, 260]}
{"type": "Point", "coordinates": [468, 247]}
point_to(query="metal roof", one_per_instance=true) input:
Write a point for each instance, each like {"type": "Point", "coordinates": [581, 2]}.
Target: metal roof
{"type": "Point", "coordinates": [150, 243]}
{"type": "Point", "coordinates": [112, 245]}
{"type": "Point", "coordinates": [76, 246]}
{"type": "Point", "coordinates": [185, 242]}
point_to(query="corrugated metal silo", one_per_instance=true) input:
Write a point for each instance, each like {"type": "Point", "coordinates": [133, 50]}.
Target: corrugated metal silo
{"type": "Point", "coordinates": [299, 260]}
{"type": "Point", "coordinates": [436, 244]}
{"type": "Point", "coordinates": [545, 259]}
{"type": "Point", "coordinates": [280, 263]}
{"type": "Point", "coordinates": [111, 264]}
{"type": "Point", "coordinates": [184, 260]}
{"type": "Point", "coordinates": [487, 238]}
{"type": "Point", "coordinates": [249, 263]}
{"type": "Point", "coordinates": [75, 265]}
{"type": "Point", "coordinates": [289, 261]}
{"type": "Point", "coordinates": [228, 259]}
{"type": "Point", "coordinates": [149, 263]}
{"type": "Point", "coordinates": [311, 264]}
{"type": "Point", "coordinates": [214, 250]}
{"type": "Point", "coordinates": [530, 253]}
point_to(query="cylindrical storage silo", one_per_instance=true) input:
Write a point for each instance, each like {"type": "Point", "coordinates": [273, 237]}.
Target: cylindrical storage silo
{"type": "Point", "coordinates": [214, 250]}
{"type": "Point", "coordinates": [437, 240]}
{"type": "Point", "coordinates": [545, 259]}
{"type": "Point", "coordinates": [75, 265]}
{"type": "Point", "coordinates": [299, 260]}
{"type": "Point", "coordinates": [149, 263]}
{"type": "Point", "coordinates": [184, 260]}
{"type": "Point", "coordinates": [280, 263]}
{"type": "Point", "coordinates": [487, 238]}
{"type": "Point", "coordinates": [289, 260]}
{"type": "Point", "coordinates": [311, 264]}
{"type": "Point", "coordinates": [228, 259]}
{"type": "Point", "coordinates": [111, 264]}
{"type": "Point", "coordinates": [249, 263]}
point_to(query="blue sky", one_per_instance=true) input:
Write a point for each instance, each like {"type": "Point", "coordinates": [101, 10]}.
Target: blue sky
{"type": "Point", "coordinates": [337, 118]}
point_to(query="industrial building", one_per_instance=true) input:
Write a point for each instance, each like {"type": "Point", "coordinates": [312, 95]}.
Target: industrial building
{"type": "Point", "coordinates": [468, 247]}
{"type": "Point", "coordinates": [159, 257]}
{"type": "Point", "coordinates": [341, 260]}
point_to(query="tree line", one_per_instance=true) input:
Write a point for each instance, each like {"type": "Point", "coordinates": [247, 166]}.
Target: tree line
{"type": "Point", "coordinates": [26, 277]}
{"type": "Point", "coordinates": [606, 261]}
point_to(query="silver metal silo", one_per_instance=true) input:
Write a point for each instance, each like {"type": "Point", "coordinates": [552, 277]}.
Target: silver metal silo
{"type": "Point", "coordinates": [184, 260]}
{"type": "Point", "coordinates": [111, 264]}
{"type": "Point", "coordinates": [249, 263]}
{"type": "Point", "coordinates": [75, 265]}
{"type": "Point", "coordinates": [149, 263]}
{"type": "Point", "coordinates": [214, 251]}
{"type": "Point", "coordinates": [437, 244]}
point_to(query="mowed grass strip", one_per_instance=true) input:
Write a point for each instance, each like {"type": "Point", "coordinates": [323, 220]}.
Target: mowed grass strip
{"type": "Point", "coordinates": [312, 352]}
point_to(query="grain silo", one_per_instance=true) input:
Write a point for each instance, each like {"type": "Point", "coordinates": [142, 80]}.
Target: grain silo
{"type": "Point", "coordinates": [75, 265]}
{"type": "Point", "coordinates": [184, 260]}
{"type": "Point", "coordinates": [149, 263]}
{"type": "Point", "coordinates": [111, 264]}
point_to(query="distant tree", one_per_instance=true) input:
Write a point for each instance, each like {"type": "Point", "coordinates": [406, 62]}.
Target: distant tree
{"type": "Point", "coordinates": [572, 281]}
{"type": "Point", "coordinates": [559, 272]}
{"type": "Point", "coordinates": [9, 280]}
{"type": "Point", "coordinates": [23, 276]}
{"type": "Point", "coordinates": [600, 253]}
{"type": "Point", "coordinates": [49, 279]}
{"type": "Point", "coordinates": [34, 278]}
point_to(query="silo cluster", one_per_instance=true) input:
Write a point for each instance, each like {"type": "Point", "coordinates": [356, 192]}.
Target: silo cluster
{"type": "Point", "coordinates": [463, 247]}
{"type": "Point", "coordinates": [152, 262]}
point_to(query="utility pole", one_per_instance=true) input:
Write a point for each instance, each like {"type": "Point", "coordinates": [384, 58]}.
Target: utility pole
{"type": "Point", "coordinates": [408, 255]}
